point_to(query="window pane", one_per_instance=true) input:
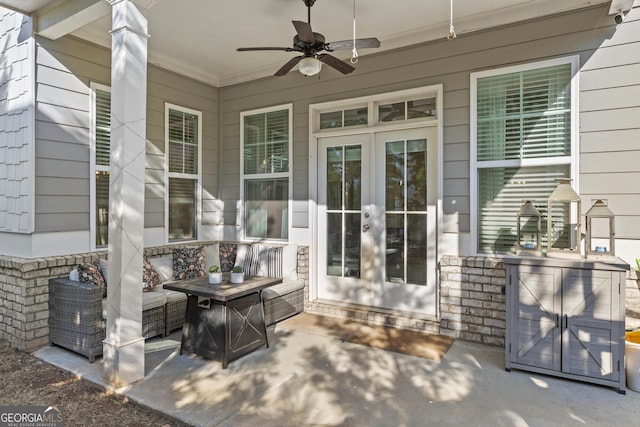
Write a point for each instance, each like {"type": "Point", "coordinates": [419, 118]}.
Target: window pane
{"type": "Point", "coordinates": [501, 192]}
{"type": "Point", "coordinates": [183, 142]}
{"type": "Point", "coordinates": [355, 117]}
{"type": "Point", "coordinates": [103, 126]}
{"type": "Point", "coordinates": [391, 112]}
{"type": "Point", "coordinates": [331, 120]}
{"type": "Point", "coordinates": [182, 209]}
{"type": "Point", "coordinates": [266, 208]}
{"type": "Point", "coordinates": [352, 244]}
{"type": "Point", "coordinates": [102, 208]}
{"type": "Point", "coordinates": [421, 108]}
{"type": "Point", "coordinates": [417, 249]}
{"type": "Point", "coordinates": [525, 114]}
{"type": "Point", "coordinates": [266, 143]}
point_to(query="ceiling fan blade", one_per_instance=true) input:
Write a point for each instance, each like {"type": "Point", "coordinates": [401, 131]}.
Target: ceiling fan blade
{"type": "Point", "coordinates": [334, 62]}
{"type": "Point", "coordinates": [288, 66]}
{"type": "Point", "coordinates": [246, 49]}
{"type": "Point", "coordinates": [304, 31]}
{"type": "Point", "coordinates": [371, 42]}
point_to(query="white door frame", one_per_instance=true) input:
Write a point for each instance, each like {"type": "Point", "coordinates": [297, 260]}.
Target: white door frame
{"type": "Point", "coordinates": [371, 102]}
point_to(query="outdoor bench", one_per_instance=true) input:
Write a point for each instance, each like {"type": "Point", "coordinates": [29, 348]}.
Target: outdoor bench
{"type": "Point", "coordinates": [77, 310]}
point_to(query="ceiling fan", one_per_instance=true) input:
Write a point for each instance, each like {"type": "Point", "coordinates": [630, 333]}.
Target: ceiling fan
{"type": "Point", "coordinates": [310, 44]}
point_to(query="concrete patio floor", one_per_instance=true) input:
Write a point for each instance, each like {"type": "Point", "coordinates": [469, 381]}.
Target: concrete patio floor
{"type": "Point", "coordinates": [309, 376]}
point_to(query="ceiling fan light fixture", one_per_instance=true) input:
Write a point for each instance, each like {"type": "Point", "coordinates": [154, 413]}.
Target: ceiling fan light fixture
{"type": "Point", "coordinates": [310, 66]}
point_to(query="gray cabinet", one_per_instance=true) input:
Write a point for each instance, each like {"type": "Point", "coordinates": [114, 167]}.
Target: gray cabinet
{"type": "Point", "coordinates": [565, 317]}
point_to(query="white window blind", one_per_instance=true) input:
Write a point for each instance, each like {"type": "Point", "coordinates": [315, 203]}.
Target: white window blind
{"type": "Point", "coordinates": [266, 143]}
{"type": "Point", "coordinates": [524, 117]}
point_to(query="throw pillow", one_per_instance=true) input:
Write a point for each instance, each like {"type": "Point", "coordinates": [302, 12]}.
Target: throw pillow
{"type": "Point", "coordinates": [90, 272]}
{"type": "Point", "coordinates": [150, 277]}
{"type": "Point", "coordinates": [164, 266]}
{"type": "Point", "coordinates": [188, 263]}
{"type": "Point", "coordinates": [227, 254]}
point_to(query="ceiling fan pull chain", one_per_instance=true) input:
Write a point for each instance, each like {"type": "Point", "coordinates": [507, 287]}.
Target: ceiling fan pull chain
{"type": "Point", "coordinates": [452, 31]}
{"type": "Point", "coordinates": [354, 52]}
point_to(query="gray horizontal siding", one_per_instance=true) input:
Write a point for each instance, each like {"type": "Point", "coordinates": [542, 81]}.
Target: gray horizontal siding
{"type": "Point", "coordinates": [65, 69]}
{"type": "Point", "coordinates": [609, 68]}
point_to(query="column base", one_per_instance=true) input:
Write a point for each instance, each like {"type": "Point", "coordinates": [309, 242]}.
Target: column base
{"type": "Point", "coordinates": [123, 363]}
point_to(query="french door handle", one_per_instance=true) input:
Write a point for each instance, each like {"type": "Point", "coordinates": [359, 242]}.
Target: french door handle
{"type": "Point", "coordinates": [557, 320]}
{"type": "Point", "coordinates": [365, 228]}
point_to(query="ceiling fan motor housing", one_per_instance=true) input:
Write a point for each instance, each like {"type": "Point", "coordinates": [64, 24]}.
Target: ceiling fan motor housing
{"type": "Point", "coordinates": [308, 48]}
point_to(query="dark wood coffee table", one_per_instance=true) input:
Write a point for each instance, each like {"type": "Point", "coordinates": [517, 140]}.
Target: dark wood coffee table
{"type": "Point", "coordinates": [223, 322]}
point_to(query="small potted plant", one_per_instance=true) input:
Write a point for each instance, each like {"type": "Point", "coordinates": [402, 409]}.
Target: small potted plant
{"type": "Point", "coordinates": [215, 275]}
{"type": "Point", "coordinates": [237, 274]}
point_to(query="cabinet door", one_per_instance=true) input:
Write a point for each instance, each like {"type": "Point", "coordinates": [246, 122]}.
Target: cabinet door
{"type": "Point", "coordinates": [590, 343]}
{"type": "Point", "coordinates": [535, 335]}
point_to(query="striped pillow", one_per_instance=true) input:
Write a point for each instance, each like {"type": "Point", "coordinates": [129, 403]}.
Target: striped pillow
{"type": "Point", "coordinates": [274, 263]}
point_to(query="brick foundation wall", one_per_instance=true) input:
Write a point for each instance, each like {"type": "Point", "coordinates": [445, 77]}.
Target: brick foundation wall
{"type": "Point", "coordinates": [472, 299]}
{"type": "Point", "coordinates": [24, 291]}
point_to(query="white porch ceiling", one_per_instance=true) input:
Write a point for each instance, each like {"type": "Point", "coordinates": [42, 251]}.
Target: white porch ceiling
{"type": "Point", "coordinates": [199, 37]}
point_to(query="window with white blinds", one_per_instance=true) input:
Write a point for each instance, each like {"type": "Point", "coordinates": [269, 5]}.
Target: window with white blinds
{"type": "Point", "coordinates": [101, 141]}
{"type": "Point", "coordinates": [266, 138]}
{"type": "Point", "coordinates": [183, 131]}
{"type": "Point", "coordinates": [523, 144]}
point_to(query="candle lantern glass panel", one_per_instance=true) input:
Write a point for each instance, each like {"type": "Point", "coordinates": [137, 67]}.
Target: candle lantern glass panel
{"type": "Point", "coordinates": [563, 220]}
{"type": "Point", "coordinates": [600, 225]}
{"type": "Point", "coordinates": [529, 229]}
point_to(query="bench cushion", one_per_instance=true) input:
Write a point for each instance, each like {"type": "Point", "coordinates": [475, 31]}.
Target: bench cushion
{"type": "Point", "coordinates": [149, 300]}
{"type": "Point", "coordinates": [286, 287]}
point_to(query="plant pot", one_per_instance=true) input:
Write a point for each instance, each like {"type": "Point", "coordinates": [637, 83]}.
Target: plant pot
{"type": "Point", "coordinates": [215, 278]}
{"type": "Point", "coordinates": [237, 277]}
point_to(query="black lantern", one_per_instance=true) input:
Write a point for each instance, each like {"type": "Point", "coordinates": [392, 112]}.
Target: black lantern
{"type": "Point", "coordinates": [529, 229]}
{"type": "Point", "coordinates": [563, 208]}
{"type": "Point", "coordinates": [600, 223]}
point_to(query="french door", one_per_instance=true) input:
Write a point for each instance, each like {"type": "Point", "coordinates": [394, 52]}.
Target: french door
{"type": "Point", "coordinates": [377, 219]}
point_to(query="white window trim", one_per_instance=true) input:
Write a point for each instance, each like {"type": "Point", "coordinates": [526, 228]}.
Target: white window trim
{"type": "Point", "coordinates": [93, 167]}
{"type": "Point", "coordinates": [243, 177]}
{"type": "Point", "coordinates": [572, 160]}
{"type": "Point", "coordinates": [168, 106]}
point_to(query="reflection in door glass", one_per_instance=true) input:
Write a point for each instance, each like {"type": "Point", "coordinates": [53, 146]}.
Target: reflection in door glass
{"type": "Point", "coordinates": [406, 211]}
{"type": "Point", "coordinates": [334, 244]}
{"type": "Point", "coordinates": [417, 249]}
{"type": "Point", "coordinates": [344, 193]}
{"type": "Point", "coordinates": [334, 178]}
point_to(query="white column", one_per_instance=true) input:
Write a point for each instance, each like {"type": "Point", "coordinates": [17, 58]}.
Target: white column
{"type": "Point", "coordinates": [124, 345]}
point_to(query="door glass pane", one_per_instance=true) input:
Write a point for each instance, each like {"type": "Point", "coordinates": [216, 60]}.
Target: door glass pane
{"type": "Point", "coordinates": [417, 249]}
{"type": "Point", "coordinates": [353, 166]}
{"type": "Point", "coordinates": [334, 244]}
{"type": "Point", "coordinates": [344, 168]}
{"type": "Point", "coordinates": [352, 244]}
{"type": "Point", "coordinates": [417, 175]}
{"type": "Point", "coordinates": [395, 176]}
{"type": "Point", "coordinates": [395, 247]}
{"type": "Point", "coordinates": [334, 178]}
